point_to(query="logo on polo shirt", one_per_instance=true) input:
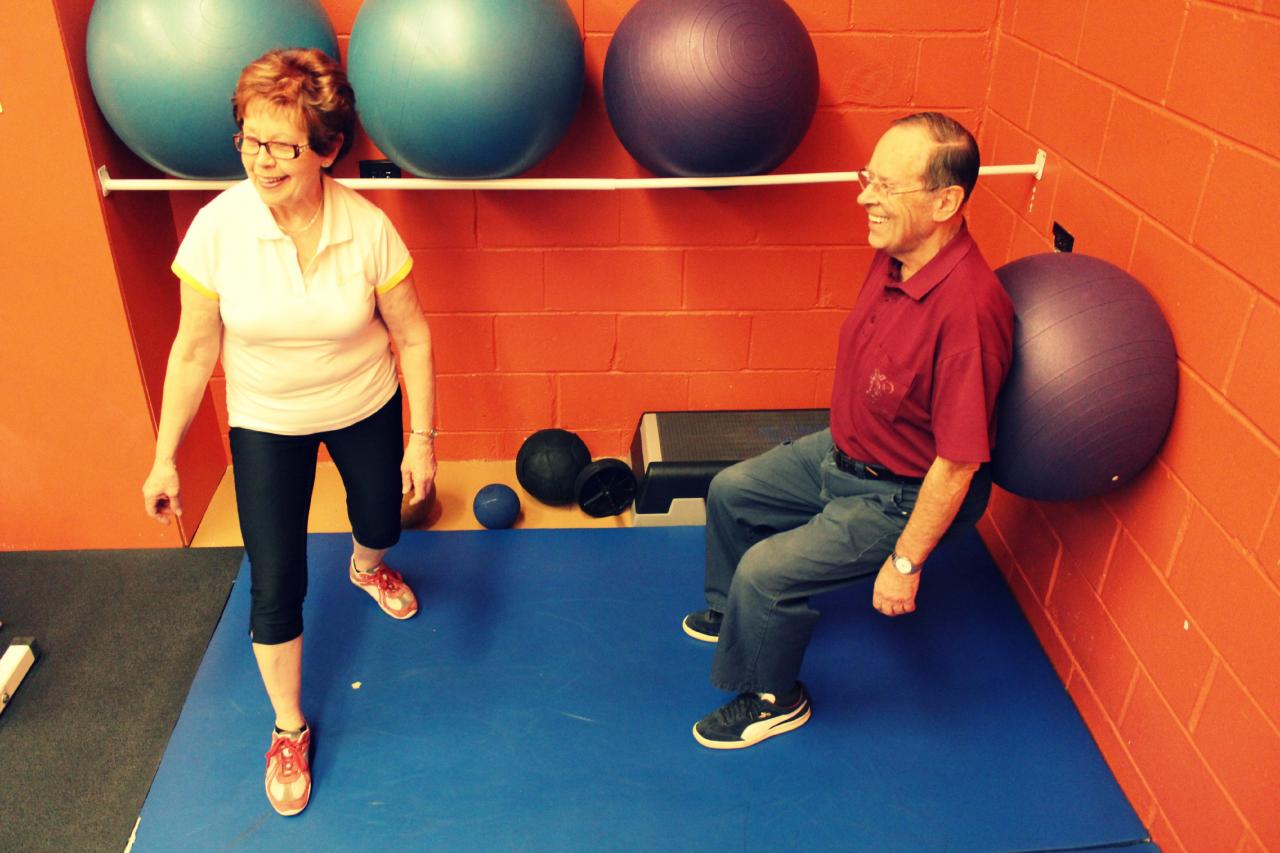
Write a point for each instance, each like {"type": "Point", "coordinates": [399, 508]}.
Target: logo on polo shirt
{"type": "Point", "coordinates": [879, 386]}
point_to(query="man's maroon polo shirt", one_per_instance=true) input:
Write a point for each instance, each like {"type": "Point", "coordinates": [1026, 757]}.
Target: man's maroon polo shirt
{"type": "Point", "coordinates": [920, 362]}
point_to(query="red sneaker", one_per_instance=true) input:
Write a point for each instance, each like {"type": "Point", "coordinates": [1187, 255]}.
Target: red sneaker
{"type": "Point", "coordinates": [288, 781]}
{"type": "Point", "coordinates": [388, 589]}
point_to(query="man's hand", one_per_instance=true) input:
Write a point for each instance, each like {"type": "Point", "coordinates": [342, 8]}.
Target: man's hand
{"type": "Point", "coordinates": [894, 593]}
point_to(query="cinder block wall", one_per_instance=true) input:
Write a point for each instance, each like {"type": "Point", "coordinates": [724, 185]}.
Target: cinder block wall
{"type": "Point", "coordinates": [582, 310]}
{"type": "Point", "coordinates": [1159, 605]}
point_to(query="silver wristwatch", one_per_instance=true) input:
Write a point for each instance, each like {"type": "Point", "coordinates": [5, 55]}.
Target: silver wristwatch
{"type": "Point", "coordinates": [903, 564]}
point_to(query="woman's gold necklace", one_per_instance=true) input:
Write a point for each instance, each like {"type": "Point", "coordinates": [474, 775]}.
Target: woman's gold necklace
{"type": "Point", "coordinates": [305, 228]}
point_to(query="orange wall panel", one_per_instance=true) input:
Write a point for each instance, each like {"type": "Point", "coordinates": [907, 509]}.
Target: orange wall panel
{"type": "Point", "coordinates": [617, 400]}
{"type": "Point", "coordinates": [843, 271]}
{"type": "Point", "coordinates": [793, 339]}
{"type": "Point", "coordinates": [1103, 224]}
{"type": "Point", "coordinates": [1172, 649]}
{"type": "Point", "coordinates": [867, 70]}
{"type": "Point", "coordinates": [1198, 809]}
{"type": "Point", "coordinates": [1237, 607]}
{"type": "Point", "coordinates": [1240, 477]}
{"type": "Point", "coordinates": [923, 15]}
{"type": "Point", "coordinates": [529, 343]}
{"type": "Point", "coordinates": [1232, 218]}
{"type": "Point", "coordinates": [1153, 510]}
{"type": "Point", "coordinates": [603, 16]}
{"type": "Point", "coordinates": [443, 220]}
{"type": "Point", "coordinates": [1069, 111]}
{"type": "Point", "coordinates": [586, 218]}
{"type": "Point", "coordinates": [615, 280]}
{"type": "Point", "coordinates": [953, 70]}
{"type": "Point", "coordinates": [462, 281]}
{"type": "Point", "coordinates": [752, 389]}
{"type": "Point", "coordinates": [1156, 161]}
{"type": "Point", "coordinates": [685, 217]}
{"type": "Point", "coordinates": [1251, 776]}
{"type": "Point", "coordinates": [583, 310]}
{"type": "Point", "coordinates": [1097, 646]}
{"type": "Point", "coordinates": [1206, 304]}
{"type": "Point", "coordinates": [477, 329]}
{"type": "Point", "coordinates": [482, 403]}
{"type": "Point", "coordinates": [1013, 79]}
{"type": "Point", "coordinates": [822, 14]}
{"type": "Point", "coordinates": [1054, 28]}
{"type": "Point", "coordinates": [1227, 75]}
{"type": "Point", "coordinates": [822, 214]}
{"type": "Point", "coordinates": [683, 342]}
{"type": "Point", "coordinates": [1088, 531]}
{"type": "Point", "coordinates": [763, 279]}
{"type": "Point", "coordinates": [1253, 379]}
{"type": "Point", "coordinates": [1159, 153]}
{"type": "Point", "coordinates": [1108, 48]}
{"type": "Point", "coordinates": [78, 435]}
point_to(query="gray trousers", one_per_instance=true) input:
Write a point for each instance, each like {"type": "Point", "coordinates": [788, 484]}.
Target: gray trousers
{"type": "Point", "coordinates": [784, 526]}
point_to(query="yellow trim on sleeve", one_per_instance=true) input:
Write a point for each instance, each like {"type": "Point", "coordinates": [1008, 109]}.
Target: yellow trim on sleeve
{"type": "Point", "coordinates": [191, 280]}
{"type": "Point", "coordinates": [400, 276]}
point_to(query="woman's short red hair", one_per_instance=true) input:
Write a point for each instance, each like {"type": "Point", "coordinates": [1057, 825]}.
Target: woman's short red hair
{"type": "Point", "coordinates": [307, 83]}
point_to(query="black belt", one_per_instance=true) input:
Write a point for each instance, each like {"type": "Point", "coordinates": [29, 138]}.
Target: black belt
{"type": "Point", "coordinates": [871, 472]}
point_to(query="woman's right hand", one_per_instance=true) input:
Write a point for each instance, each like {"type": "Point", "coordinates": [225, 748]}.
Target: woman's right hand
{"type": "Point", "coordinates": [160, 492]}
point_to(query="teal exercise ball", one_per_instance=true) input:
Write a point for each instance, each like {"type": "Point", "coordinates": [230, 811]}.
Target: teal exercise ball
{"type": "Point", "coordinates": [466, 88]}
{"type": "Point", "coordinates": [163, 72]}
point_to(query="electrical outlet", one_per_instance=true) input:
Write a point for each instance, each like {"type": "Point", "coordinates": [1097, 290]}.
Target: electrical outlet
{"type": "Point", "coordinates": [379, 169]}
{"type": "Point", "coordinates": [1062, 239]}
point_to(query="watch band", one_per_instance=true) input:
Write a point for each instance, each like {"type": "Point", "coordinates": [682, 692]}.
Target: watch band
{"type": "Point", "coordinates": [895, 557]}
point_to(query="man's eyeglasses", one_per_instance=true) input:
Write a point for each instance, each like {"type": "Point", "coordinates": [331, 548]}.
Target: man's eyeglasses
{"type": "Point", "coordinates": [278, 150]}
{"type": "Point", "coordinates": [868, 181]}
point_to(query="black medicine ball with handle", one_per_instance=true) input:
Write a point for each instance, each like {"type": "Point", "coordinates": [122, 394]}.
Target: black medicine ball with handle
{"type": "Point", "coordinates": [548, 465]}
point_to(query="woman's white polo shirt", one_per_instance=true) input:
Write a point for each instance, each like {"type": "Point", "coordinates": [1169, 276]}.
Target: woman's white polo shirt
{"type": "Point", "coordinates": [303, 351]}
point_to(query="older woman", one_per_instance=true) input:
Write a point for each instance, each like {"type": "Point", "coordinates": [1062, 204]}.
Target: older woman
{"type": "Point", "coordinates": [297, 281]}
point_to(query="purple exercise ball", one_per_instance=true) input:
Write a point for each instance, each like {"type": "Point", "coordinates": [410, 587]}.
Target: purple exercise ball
{"type": "Point", "coordinates": [706, 88]}
{"type": "Point", "coordinates": [1091, 392]}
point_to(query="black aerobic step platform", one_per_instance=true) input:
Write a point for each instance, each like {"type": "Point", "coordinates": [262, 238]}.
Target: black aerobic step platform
{"type": "Point", "coordinates": [675, 454]}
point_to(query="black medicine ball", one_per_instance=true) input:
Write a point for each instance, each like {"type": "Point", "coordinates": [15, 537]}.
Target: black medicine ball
{"type": "Point", "coordinates": [548, 464]}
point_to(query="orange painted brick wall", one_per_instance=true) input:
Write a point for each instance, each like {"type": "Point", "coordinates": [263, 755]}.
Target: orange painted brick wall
{"type": "Point", "coordinates": [77, 432]}
{"type": "Point", "coordinates": [584, 309]}
{"type": "Point", "coordinates": [1159, 604]}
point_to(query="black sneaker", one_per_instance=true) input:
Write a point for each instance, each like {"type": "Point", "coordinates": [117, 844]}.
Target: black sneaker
{"type": "Point", "coordinates": [750, 719]}
{"type": "Point", "coordinates": [703, 625]}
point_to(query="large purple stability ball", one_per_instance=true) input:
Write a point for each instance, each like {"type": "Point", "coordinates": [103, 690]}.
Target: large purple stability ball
{"type": "Point", "coordinates": [1094, 380]}
{"type": "Point", "coordinates": [707, 88]}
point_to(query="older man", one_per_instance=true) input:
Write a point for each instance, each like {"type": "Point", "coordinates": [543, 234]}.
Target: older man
{"type": "Point", "coordinates": [921, 358]}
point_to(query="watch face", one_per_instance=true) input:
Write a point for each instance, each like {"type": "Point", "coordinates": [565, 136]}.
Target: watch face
{"type": "Point", "coordinates": [903, 565]}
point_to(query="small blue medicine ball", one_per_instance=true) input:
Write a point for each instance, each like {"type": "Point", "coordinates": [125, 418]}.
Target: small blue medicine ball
{"type": "Point", "coordinates": [496, 506]}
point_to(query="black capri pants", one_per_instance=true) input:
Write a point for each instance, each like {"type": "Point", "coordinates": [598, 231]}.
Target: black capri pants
{"type": "Point", "coordinates": [274, 476]}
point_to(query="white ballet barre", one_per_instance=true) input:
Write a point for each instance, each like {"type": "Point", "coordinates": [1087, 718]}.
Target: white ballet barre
{"type": "Point", "coordinates": [110, 184]}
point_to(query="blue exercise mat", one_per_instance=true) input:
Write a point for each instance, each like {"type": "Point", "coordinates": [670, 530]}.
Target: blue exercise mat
{"type": "Point", "coordinates": [543, 700]}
